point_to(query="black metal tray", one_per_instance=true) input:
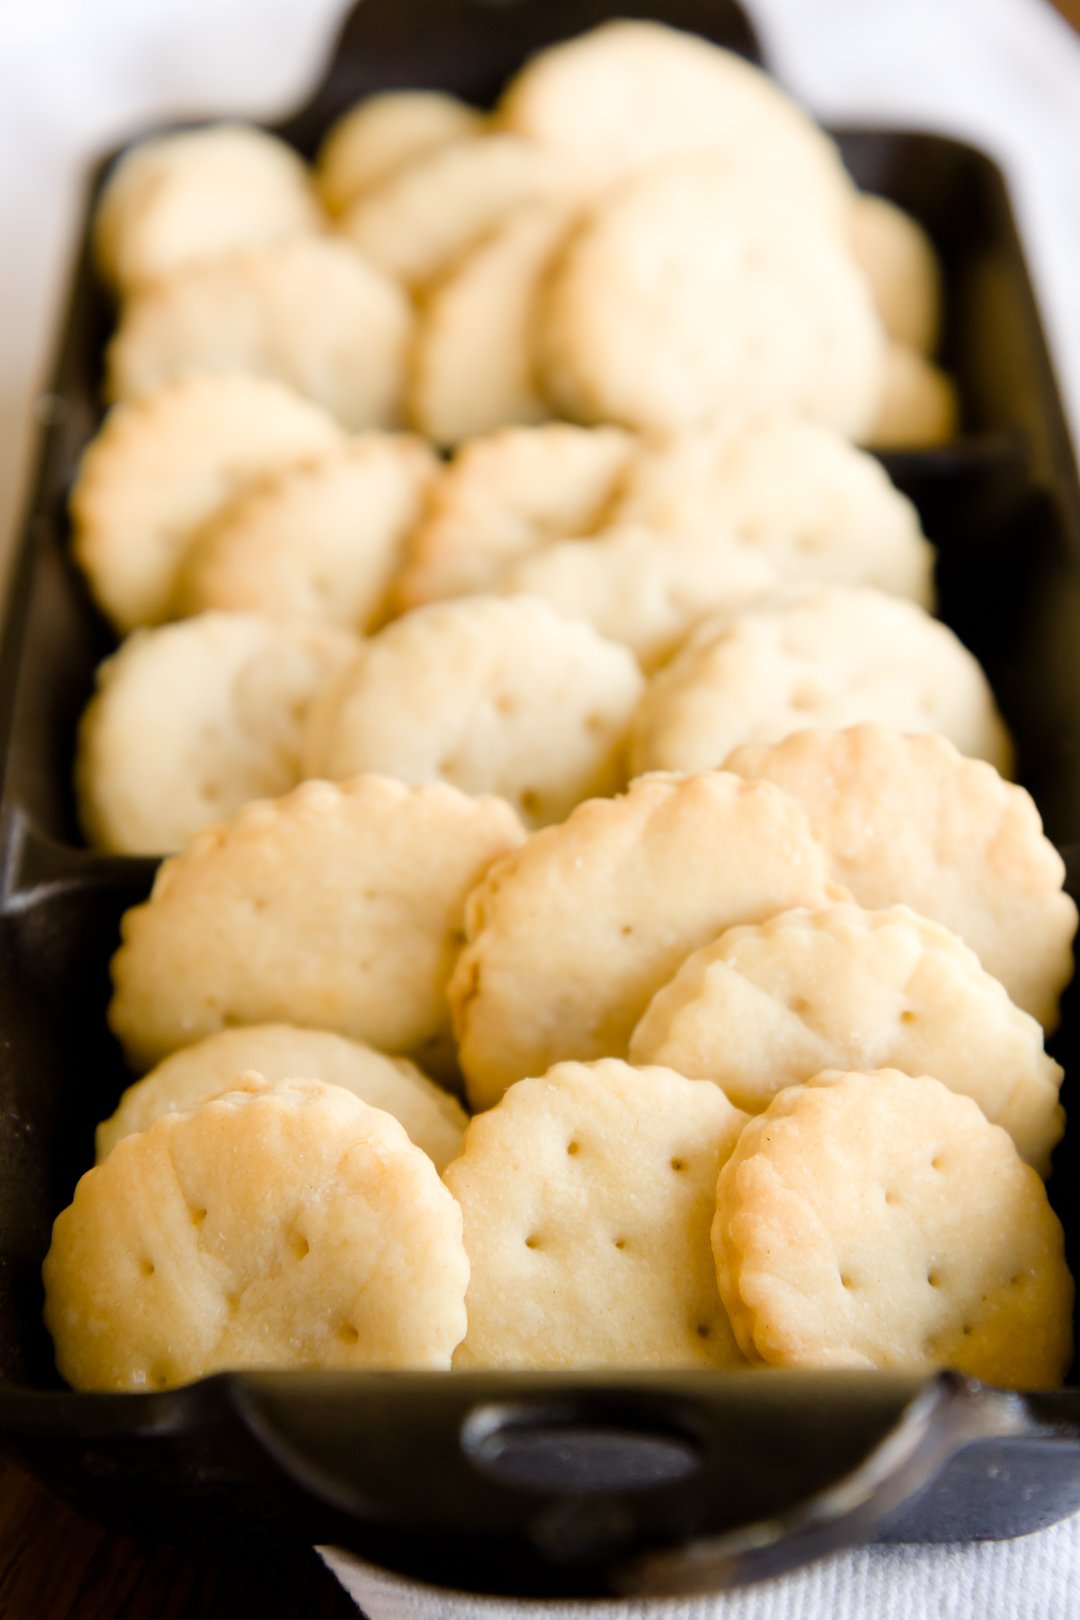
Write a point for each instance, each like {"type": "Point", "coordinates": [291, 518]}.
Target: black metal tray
{"type": "Point", "coordinates": [521, 1484]}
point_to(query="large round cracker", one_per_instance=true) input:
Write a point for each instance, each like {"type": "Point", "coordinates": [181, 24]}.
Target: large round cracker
{"type": "Point", "coordinates": [337, 907]}
{"type": "Point", "coordinates": [879, 1220]}
{"type": "Point", "coordinates": [770, 1005]}
{"type": "Point", "coordinates": [311, 313]}
{"type": "Point", "coordinates": [320, 539]}
{"type": "Point", "coordinates": [492, 696]}
{"type": "Point", "coordinates": [161, 466]}
{"type": "Point", "coordinates": [434, 1120]}
{"type": "Point", "coordinates": [569, 938]}
{"type": "Point", "coordinates": [814, 656]}
{"type": "Point", "coordinates": [286, 1226]}
{"type": "Point", "coordinates": [191, 721]}
{"type": "Point", "coordinates": [908, 820]}
{"type": "Point", "coordinates": [587, 1199]}
{"type": "Point", "coordinates": [688, 292]}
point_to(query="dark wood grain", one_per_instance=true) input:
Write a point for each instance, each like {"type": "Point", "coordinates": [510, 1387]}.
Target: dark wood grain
{"type": "Point", "coordinates": [55, 1565]}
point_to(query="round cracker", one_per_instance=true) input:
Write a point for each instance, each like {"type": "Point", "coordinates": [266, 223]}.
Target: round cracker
{"type": "Point", "coordinates": [690, 292]}
{"type": "Point", "coordinates": [628, 95]}
{"type": "Point", "coordinates": [919, 406]}
{"type": "Point", "coordinates": [770, 1005]}
{"type": "Point", "coordinates": [587, 1199]}
{"type": "Point", "coordinates": [835, 516]}
{"type": "Point", "coordinates": [504, 495]}
{"type": "Point", "coordinates": [901, 264]}
{"type": "Point", "coordinates": [473, 367]}
{"type": "Point", "coordinates": [311, 313]}
{"type": "Point", "coordinates": [337, 907]}
{"type": "Point", "coordinates": [642, 588]}
{"type": "Point", "coordinates": [570, 937]}
{"type": "Point", "coordinates": [491, 696]}
{"type": "Point", "coordinates": [814, 656]}
{"type": "Point", "coordinates": [190, 721]}
{"type": "Point", "coordinates": [879, 1220]}
{"type": "Point", "coordinates": [184, 198]}
{"type": "Point", "coordinates": [418, 221]}
{"type": "Point", "coordinates": [321, 539]}
{"type": "Point", "coordinates": [286, 1226]}
{"type": "Point", "coordinates": [909, 820]}
{"type": "Point", "coordinates": [383, 133]}
{"type": "Point", "coordinates": [161, 466]}
{"type": "Point", "coordinates": [434, 1120]}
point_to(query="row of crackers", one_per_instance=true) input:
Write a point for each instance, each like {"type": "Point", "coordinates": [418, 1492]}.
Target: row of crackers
{"type": "Point", "coordinates": [783, 1108]}
{"type": "Point", "coordinates": [646, 231]}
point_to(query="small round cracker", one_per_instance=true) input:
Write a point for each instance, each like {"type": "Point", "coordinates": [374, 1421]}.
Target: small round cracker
{"type": "Point", "coordinates": [311, 313]}
{"type": "Point", "coordinates": [383, 133]}
{"type": "Point", "coordinates": [630, 94]}
{"type": "Point", "coordinates": [434, 1120]}
{"type": "Point", "coordinates": [919, 405]}
{"type": "Point", "coordinates": [570, 937]}
{"type": "Point", "coordinates": [161, 466]}
{"type": "Point", "coordinates": [285, 1226]}
{"type": "Point", "coordinates": [879, 1220]}
{"type": "Point", "coordinates": [909, 820]}
{"type": "Point", "coordinates": [770, 1005]}
{"type": "Point", "coordinates": [431, 210]}
{"type": "Point", "coordinates": [834, 516]}
{"type": "Point", "coordinates": [901, 264]}
{"type": "Point", "coordinates": [687, 293]}
{"type": "Point", "coordinates": [190, 721]}
{"type": "Point", "coordinates": [473, 367]}
{"type": "Point", "coordinates": [814, 656]}
{"type": "Point", "coordinates": [337, 907]}
{"type": "Point", "coordinates": [321, 539]}
{"type": "Point", "coordinates": [504, 495]}
{"type": "Point", "coordinates": [587, 1199]}
{"type": "Point", "coordinates": [642, 588]}
{"type": "Point", "coordinates": [492, 696]}
{"type": "Point", "coordinates": [185, 198]}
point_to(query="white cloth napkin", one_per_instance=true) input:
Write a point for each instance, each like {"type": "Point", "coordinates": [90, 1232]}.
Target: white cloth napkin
{"type": "Point", "coordinates": [77, 75]}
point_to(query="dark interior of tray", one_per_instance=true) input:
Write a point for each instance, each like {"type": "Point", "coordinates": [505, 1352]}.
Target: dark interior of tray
{"type": "Point", "coordinates": [1001, 504]}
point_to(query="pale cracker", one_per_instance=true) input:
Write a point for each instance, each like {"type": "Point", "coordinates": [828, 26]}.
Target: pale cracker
{"type": "Point", "coordinates": [684, 295]}
{"type": "Point", "coordinates": [908, 820]}
{"type": "Point", "coordinates": [628, 95]}
{"type": "Point", "coordinates": [879, 1220]}
{"type": "Point", "coordinates": [770, 1005]}
{"type": "Point", "coordinates": [161, 466]}
{"type": "Point", "coordinates": [182, 199]}
{"type": "Point", "coordinates": [901, 264]}
{"type": "Point", "coordinates": [311, 312]}
{"type": "Point", "coordinates": [381, 134]}
{"type": "Point", "coordinates": [473, 368]}
{"type": "Point", "coordinates": [281, 1226]}
{"type": "Point", "coordinates": [919, 406]}
{"type": "Point", "coordinates": [492, 696]}
{"type": "Point", "coordinates": [570, 937]}
{"type": "Point", "coordinates": [190, 721]}
{"type": "Point", "coordinates": [504, 495]}
{"type": "Point", "coordinates": [641, 587]}
{"type": "Point", "coordinates": [417, 222]}
{"type": "Point", "coordinates": [587, 1199]}
{"type": "Point", "coordinates": [321, 539]}
{"type": "Point", "coordinates": [814, 656]}
{"type": "Point", "coordinates": [834, 515]}
{"type": "Point", "coordinates": [336, 907]}
{"type": "Point", "coordinates": [434, 1120]}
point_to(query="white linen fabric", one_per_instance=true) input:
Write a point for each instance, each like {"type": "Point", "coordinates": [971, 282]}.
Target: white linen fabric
{"type": "Point", "coordinates": [78, 75]}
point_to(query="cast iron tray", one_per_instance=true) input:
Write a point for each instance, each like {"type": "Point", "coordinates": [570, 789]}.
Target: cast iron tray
{"type": "Point", "coordinates": [519, 1484]}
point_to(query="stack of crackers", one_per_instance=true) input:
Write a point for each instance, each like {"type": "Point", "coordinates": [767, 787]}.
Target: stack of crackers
{"type": "Point", "coordinates": [609, 775]}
